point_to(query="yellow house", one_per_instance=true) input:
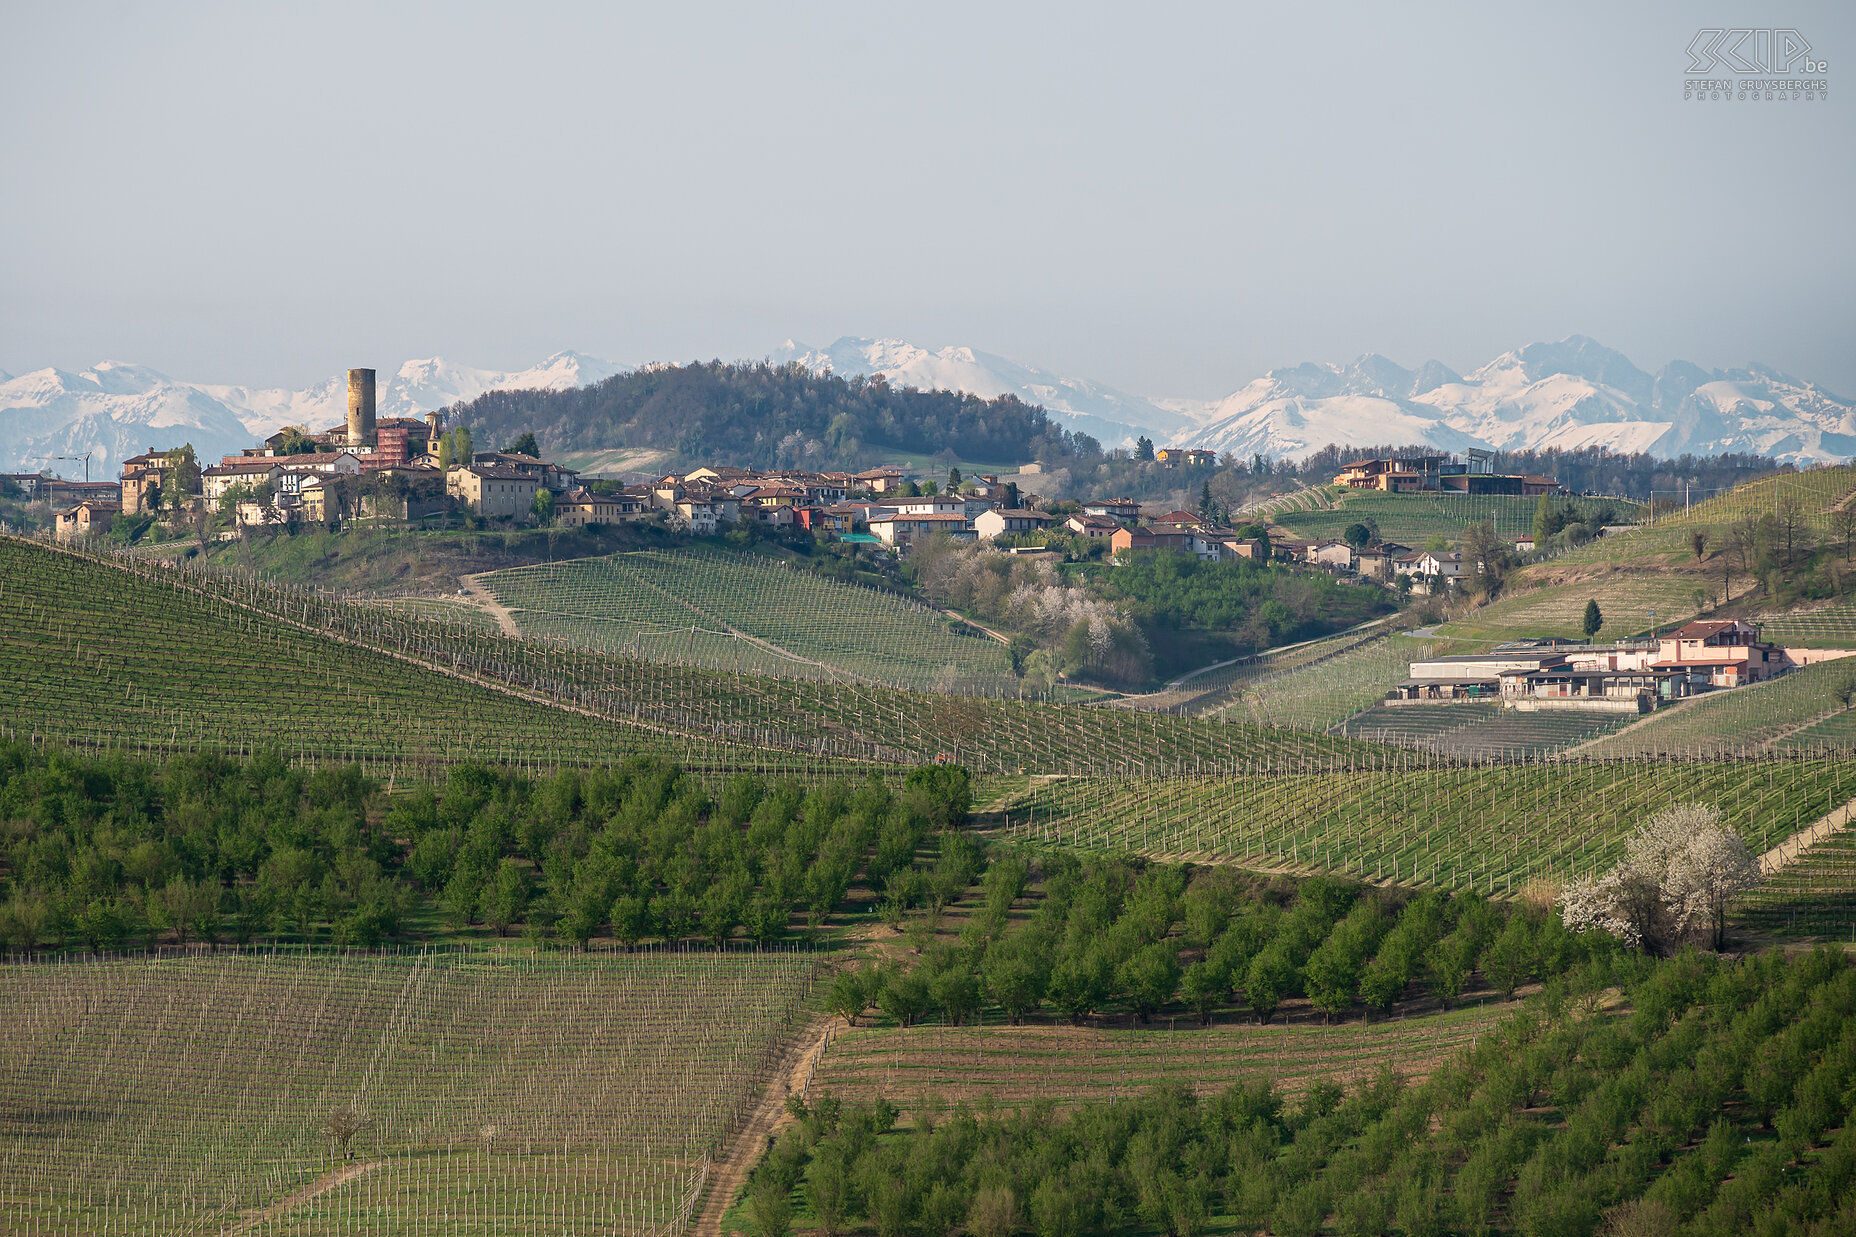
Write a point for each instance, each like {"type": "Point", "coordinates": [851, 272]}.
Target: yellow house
{"type": "Point", "coordinates": [493, 491]}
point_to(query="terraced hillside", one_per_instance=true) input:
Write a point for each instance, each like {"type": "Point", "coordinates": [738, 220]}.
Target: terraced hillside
{"type": "Point", "coordinates": [1412, 519]}
{"type": "Point", "coordinates": [488, 1094]}
{"type": "Point", "coordinates": [734, 612]}
{"type": "Point", "coordinates": [1492, 828]}
{"type": "Point", "coordinates": [172, 657]}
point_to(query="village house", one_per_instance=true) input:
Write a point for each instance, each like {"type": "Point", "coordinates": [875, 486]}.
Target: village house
{"type": "Point", "coordinates": [999, 522]}
{"type": "Point", "coordinates": [1725, 653]}
{"type": "Point", "coordinates": [493, 492]}
{"type": "Point", "coordinates": [902, 530]}
{"type": "Point", "coordinates": [878, 480]}
{"type": "Point", "coordinates": [90, 518]}
{"type": "Point", "coordinates": [1123, 509]}
{"type": "Point", "coordinates": [141, 477]}
{"type": "Point", "coordinates": [1192, 457]}
{"type": "Point", "coordinates": [1094, 527]}
{"type": "Point", "coordinates": [215, 481]}
{"type": "Point", "coordinates": [580, 507]}
{"type": "Point", "coordinates": [554, 476]}
{"type": "Point", "coordinates": [1335, 554]}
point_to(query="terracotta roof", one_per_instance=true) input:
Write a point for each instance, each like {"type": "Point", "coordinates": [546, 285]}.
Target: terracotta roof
{"type": "Point", "coordinates": [1702, 629]}
{"type": "Point", "coordinates": [943, 516]}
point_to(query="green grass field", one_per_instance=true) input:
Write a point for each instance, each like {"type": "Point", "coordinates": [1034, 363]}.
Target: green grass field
{"type": "Point", "coordinates": [1492, 828]}
{"type": "Point", "coordinates": [511, 1094]}
{"type": "Point", "coordinates": [1412, 519]}
{"type": "Point", "coordinates": [737, 613]}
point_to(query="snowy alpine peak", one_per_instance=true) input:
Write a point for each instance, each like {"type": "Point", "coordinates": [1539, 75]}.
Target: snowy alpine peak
{"type": "Point", "coordinates": [1572, 393]}
{"type": "Point", "coordinates": [115, 409]}
{"type": "Point", "coordinates": [1113, 417]}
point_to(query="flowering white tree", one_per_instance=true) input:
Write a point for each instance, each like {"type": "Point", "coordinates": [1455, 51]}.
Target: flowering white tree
{"type": "Point", "coordinates": [1680, 870]}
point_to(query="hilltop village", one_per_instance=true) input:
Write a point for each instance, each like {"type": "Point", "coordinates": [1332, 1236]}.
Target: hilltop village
{"type": "Point", "coordinates": [411, 471]}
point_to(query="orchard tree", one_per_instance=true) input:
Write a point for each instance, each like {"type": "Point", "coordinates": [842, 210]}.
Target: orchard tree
{"type": "Point", "coordinates": [1680, 871]}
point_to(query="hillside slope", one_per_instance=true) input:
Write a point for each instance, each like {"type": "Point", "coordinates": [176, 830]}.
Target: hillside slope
{"type": "Point", "coordinates": [732, 612]}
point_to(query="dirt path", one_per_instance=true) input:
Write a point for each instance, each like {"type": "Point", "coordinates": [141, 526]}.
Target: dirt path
{"type": "Point", "coordinates": [1787, 852]}
{"type": "Point", "coordinates": [321, 1185]}
{"type": "Point", "coordinates": [958, 616]}
{"type": "Point", "coordinates": [764, 1124]}
{"type": "Point", "coordinates": [486, 601]}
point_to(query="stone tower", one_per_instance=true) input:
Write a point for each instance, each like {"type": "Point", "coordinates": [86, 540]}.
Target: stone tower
{"type": "Point", "coordinates": [360, 408]}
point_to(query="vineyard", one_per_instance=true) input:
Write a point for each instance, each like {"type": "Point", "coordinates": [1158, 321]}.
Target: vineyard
{"type": "Point", "coordinates": [1331, 689]}
{"type": "Point", "coordinates": [1011, 1066]}
{"type": "Point", "coordinates": [1492, 828]}
{"type": "Point", "coordinates": [1812, 898]}
{"type": "Point", "coordinates": [1744, 720]}
{"type": "Point", "coordinates": [1666, 539]}
{"type": "Point", "coordinates": [489, 1094]}
{"type": "Point", "coordinates": [1481, 731]}
{"type": "Point", "coordinates": [1413, 519]}
{"type": "Point", "coordinates": [736, 613]}
{"type": "Point", "coordinates": [1625, 598]}
{"type": "Point", "coordinates": [175, 657]}
{"type": "Point", "coordinates": [157, 668]}
{"type": "Point", "coordinates": [1831, 626]}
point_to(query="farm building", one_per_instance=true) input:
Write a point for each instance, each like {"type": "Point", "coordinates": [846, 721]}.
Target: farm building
{"type": "Point", "coordinates": [493, 491]}
{"type": "Point", "coordinates": [90, 518]}
{"type": "Point", "coordinates": [1001, 523]}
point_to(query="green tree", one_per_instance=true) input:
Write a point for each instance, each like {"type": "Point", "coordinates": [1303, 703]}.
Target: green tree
{"type": "Point", "coordinates": [1593, 620]}
{"type": "Point", "coordinates": [543, 506]}
{"type": "Point", "coordinates": [847, 999]}
{"type": "Point", "coordinates": [1204, 986]}
{"type": "Point", "coordinates": [1208, 506]}
{"type": "Point", "coordinates": [953, 480]}
{"type": "Point", "coordinates": [770, 1204]}
{"type": "Point", "coordinates": [1149, 978]}
{"type": "Point", "coordinates": [1143, 448]}
{"type": "Point", "coordinates": [1358, 536]}
{"type": "Point", "coordinates": [506, 900]}
{"type": "Point", "coordinates": [1016, 975]}
{"type": "Point", "coordinates": [1271, 978]}
{"type": "Point", "coordinates": [828, 1192]}
{"type": "Point", "coordinates": [180, 476]}
{"type": "Point", "coordinates": [1510, 959]}
{"type": "Point", "coordinates": [905, 996]}
{"type": "Point", "coordinates": [525, 445]}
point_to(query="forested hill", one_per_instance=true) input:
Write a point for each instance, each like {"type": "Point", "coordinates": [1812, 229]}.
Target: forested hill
{"type": "Point", "coordinates": [769, 416]}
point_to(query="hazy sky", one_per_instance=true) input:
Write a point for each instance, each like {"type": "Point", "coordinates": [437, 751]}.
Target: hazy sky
{"type": "Point", "coordinates": [1168, 199]}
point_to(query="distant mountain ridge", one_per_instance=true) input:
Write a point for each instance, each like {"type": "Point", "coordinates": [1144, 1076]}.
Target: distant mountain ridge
{"type": "Point", "coordinates": [1569, 394]}
{"type": "Point", "coordinates": [1111, 417]}
{"type": "Point", "coordinates": [114, 410]}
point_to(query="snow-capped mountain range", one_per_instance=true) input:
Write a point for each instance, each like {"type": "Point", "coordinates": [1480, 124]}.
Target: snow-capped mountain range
{"type": "Point", "coordinates": [1568, 394]}
{"type": "Point", "coordinates": [1112, 417]}
{"type": "Point", "coordinates": [115, 410]}
{"type": "Point", "coordinates": [1573, 393]}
